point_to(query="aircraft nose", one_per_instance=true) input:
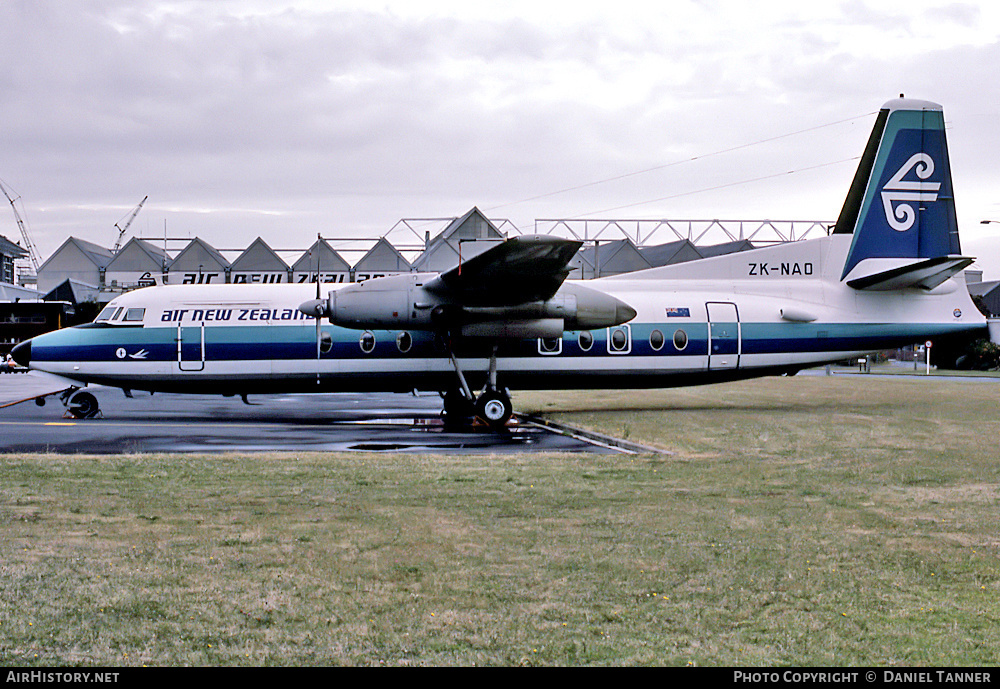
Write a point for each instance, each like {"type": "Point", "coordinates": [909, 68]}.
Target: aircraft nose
{"type": "Point", "coordinates": [22, 353]}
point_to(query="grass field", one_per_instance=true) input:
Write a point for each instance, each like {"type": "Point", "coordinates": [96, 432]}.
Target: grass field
{"type": "Point", "coordinates": [847, 520]}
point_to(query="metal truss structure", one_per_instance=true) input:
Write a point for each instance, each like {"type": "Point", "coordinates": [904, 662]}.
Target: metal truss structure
{"type": "Point", "coordinates": [643, 232]}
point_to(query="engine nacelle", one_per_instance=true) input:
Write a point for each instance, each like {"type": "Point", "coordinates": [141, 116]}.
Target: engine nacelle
{"type": "Point", "coordinates": [594, 309]}
{"type": "Point", "coordinates": [402, 302]}
{"type": "Point", "coordinates": [391, 302]}
{"type": "Point", "coordinates": [515, 329]}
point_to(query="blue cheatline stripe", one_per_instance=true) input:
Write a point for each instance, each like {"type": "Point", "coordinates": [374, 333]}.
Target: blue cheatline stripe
{"type": "Point", "coordinates": [299, 343]}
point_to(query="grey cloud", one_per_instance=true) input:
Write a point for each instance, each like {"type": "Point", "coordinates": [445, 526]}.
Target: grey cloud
{"type": "Point", "coordinates": [355, 119]}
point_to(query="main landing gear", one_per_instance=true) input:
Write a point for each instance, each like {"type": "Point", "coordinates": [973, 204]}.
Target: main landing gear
{"type": "Point", "coordinates": [493, 406]}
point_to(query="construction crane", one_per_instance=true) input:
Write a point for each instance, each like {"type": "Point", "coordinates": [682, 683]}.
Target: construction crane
{"type": "Point", "coordinates": [122, 230]}
{"type": "Point", "coordinates": [28, 246]}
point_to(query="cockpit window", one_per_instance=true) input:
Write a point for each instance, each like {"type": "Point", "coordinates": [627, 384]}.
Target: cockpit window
{"type": "Point", "coordinates": [120, 314]}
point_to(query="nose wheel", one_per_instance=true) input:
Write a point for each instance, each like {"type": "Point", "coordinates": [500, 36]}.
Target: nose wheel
{"type": "Point", "coordinates": [83, 405]}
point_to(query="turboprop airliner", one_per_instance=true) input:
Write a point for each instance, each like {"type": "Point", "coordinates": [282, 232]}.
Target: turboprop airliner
{"type": "Point", "coordinates": [888, 275]}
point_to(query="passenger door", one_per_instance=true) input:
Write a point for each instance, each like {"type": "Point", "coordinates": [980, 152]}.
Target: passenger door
{"type": "Point", "coordinates": [191, 347]}
{"type": "Point", "coordinates": [724, 337]}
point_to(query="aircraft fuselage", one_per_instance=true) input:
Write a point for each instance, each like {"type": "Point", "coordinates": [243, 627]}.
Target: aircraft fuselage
{"type": "Point", "coordinates": [887, 276]}
{"type": "Point", "coordinates": [772, 310]}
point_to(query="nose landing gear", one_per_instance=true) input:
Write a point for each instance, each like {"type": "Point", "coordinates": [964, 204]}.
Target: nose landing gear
{"type": "Point", "coordinates": [81, 405]}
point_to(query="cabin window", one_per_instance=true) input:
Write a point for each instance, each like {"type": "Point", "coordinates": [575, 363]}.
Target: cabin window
{"type": "Point", "coordinates": [325, 343]}
{"type": "Point", "coordinates": [618, 340]}
{"type": "Point", "coordinates": [586, 340]}
{"type": "Point", "coordinates": [549, 345]}
{"type": "Point", "coordinates": [367, 342]}
{"type": "Point", "coordinates": [680, 340]}
{"type": "Point", "coordinates": [135, 314]}
{"type": "Point", "coordinates": [656, 340]}
{"type": "Point", "coordinates": [404, 341]}
{"type": "Point", "coordinates": [105, 315]}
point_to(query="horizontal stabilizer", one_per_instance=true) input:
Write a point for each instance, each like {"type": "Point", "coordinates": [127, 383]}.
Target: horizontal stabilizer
{"type": "Point", "coordinates": [881, 274]}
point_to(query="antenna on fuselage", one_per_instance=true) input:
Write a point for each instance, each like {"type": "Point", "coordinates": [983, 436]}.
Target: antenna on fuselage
{"type": "Point", "coordinates": [319, 315]}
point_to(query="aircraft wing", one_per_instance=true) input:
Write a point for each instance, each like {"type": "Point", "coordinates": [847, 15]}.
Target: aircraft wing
{"type": "Point", "coordinates": [508, 291]}
{"type": "Point", "coordinates": [523, 269]}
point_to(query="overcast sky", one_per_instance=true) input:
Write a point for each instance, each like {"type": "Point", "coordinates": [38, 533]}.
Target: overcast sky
{"type": "Point", "coordinates": [285, 120]}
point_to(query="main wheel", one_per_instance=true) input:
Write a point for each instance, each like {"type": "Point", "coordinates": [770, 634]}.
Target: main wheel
{"type": "Point", "coordinates": [458, 411]}
{"type": "Point", "coordinates": [495, 408]}
{"type": "Point", "coordinates": [83, 405]}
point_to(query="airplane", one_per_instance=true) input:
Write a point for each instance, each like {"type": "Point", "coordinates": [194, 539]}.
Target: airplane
{"type": "Point", "coordinates": [888, 275]}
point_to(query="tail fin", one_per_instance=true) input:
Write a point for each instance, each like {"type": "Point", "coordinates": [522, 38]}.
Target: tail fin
{"type": "Point", "coordinates": [900, 205]}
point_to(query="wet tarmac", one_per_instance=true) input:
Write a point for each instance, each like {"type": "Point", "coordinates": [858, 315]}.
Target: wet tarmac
{"type": "Point", "coordinates": [280, 423]}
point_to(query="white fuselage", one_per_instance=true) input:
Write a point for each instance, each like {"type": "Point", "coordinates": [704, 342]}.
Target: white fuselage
{"type": "Point", "coordinates": [760, 312]}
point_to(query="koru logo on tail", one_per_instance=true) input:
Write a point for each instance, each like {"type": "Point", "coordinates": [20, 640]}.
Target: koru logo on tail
{"type": "Point", "coordinates": [903, 193]}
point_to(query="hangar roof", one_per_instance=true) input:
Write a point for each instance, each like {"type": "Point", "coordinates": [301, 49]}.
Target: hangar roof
{"type": "Point", "coordinates": [321, 258]}
{"type": "Point", "coordinates": [258, 256]}
{"type": "Point", "coordinates": [199, 253]}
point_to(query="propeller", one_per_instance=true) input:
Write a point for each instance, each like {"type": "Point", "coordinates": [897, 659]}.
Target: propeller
{"type": "Point", "coordinates": [319, 309]}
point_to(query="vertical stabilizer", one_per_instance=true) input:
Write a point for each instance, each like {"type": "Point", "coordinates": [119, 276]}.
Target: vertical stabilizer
{"type": "Point", "coordinates": [900, 204]}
